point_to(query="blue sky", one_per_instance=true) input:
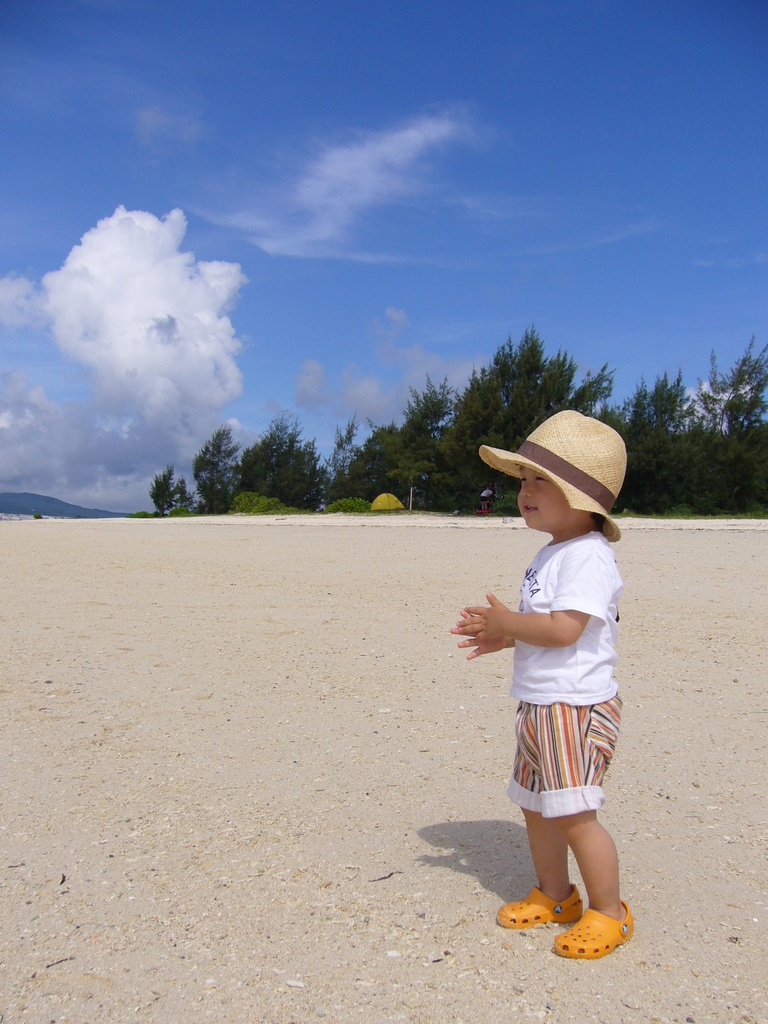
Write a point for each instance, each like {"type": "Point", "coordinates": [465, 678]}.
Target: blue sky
{"type": "Point", "coordinates": [246, 208]}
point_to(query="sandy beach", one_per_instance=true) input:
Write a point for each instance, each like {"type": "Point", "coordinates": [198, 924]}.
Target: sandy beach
{"type": "Point", "coordinates": [248, 776]}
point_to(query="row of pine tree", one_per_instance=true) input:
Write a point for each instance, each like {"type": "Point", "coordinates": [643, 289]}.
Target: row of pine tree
{"type": "Point", "coordinates": [702, 451]}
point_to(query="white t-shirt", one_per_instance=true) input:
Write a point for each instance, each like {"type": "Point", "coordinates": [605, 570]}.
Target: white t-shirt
{"type": "Point", "coordinates": [577, 575]}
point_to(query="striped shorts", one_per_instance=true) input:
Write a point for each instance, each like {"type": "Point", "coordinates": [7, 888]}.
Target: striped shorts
{"type": "Point", "coordinates": [562, 756]}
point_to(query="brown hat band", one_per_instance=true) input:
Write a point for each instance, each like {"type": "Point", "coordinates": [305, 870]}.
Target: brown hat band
{"type": "Point", "coordinates": [571, 474]}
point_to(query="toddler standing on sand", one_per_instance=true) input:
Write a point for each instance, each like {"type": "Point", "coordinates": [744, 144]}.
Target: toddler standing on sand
{"type": "Point", "coordinates": [571, 469]}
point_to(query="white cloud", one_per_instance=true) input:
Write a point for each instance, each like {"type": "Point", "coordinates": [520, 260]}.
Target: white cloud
{"type": "Point", "coordinates": [316, 215]}
{"type": "Point", "coordinates": [312, 390]}
{"type": "Point", "coordinates": [395, 323]}
{"type": "Point", "coordinates": [20, 303]}
{"type": "Point", "coordinates": [149, 322]}
{"type": "Point", "coordinates": [41, 443]}
{"type": "Point", "coordinates": [358, 393]}
{"type": "Point", "coordinates": [366, 396]}
{"type": "Point", "coordinates": [380, 397]}
{"type": "Point", "coordinates": [147, 318]}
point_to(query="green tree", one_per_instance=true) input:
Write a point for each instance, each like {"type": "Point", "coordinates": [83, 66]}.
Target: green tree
{"type": "Point", "coordinates": [162, 491]}
{"type": "Point", "coordinates": [661, 459]}
{"type": "Point", "coordinates": [734, 403]}
{"type": "Point", "coordinates": [182, 496]}
{"type": "Point", "coordinates": [215, 471]}
{"type": "Point", "coordinates": [337, 465]}
{"type": "Point", "coordinates": [375, 466]}
{"type": "Point", "coordinates": [421, 460]}
{"type": "Point", "coordinates": [282, 465]}
{"type": "Point", "coordinates": [503, 402]}
{"type": "Point", "coordinates": [732, 434]}
{"type": "Point", "coordinates": [168, 493]}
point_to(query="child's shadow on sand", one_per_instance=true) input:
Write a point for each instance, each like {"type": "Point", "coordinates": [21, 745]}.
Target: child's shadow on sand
{"type": "Point", "coordinates": [494, 852]}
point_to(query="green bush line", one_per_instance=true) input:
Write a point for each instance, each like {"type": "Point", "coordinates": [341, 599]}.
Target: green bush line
{"type": "Point", "coordinates": [252, 504]}
{"type": "Point", "coordinates": [348, 505]}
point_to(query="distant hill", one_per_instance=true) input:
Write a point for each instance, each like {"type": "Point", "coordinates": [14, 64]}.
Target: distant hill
{"type": "Point", "coordinates": [27, 504]}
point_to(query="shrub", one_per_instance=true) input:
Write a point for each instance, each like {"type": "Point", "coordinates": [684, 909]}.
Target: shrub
{"type": "Point", "coordinates": [680, 512]}
{"type": "Point", "coordinates": [181, 511]}
{"type": "Point", "coordinates": [37, 515]}
{"type": "Point", "coordinates": [142, 515]}
{"type": "Point", "coordinates": [253, 504]}
{"type": "Point", "coordinates": [349, 505]}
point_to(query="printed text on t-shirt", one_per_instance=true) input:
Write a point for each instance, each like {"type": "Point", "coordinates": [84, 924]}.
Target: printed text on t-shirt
{"type": "Point", "coordinates": [531, 581]}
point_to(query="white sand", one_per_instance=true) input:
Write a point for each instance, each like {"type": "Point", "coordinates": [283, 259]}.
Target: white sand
{"type": "Point", "coordinates": [248, 777]}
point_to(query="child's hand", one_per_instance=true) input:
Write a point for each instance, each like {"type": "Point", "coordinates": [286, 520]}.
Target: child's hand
{"type": "Point", "coordinates": [483, 646]}
{"type": "Point", "coordinates": [485, 623]}
{"type": "Point", "coordinates": [484, 627]}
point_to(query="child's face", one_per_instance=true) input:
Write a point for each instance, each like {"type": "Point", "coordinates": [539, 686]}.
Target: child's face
{"type": "Point", "coordinates": [544, 507]}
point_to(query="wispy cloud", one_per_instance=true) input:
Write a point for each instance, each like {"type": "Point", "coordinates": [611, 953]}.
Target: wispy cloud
{"type": "Point", "coordinates": [394, 323]}
{"type": "Point", "coordinates": [328, 209]}
{"type": "Point", "coordinates": [753, 259]}
{"type": "Point", "coordinates": [20, 303]}
{"type": "Point", "coordinates": [503, 208]}
{"type": "Point", "coordinates": [155, 125]}
{"type": "Point", "coordinates": [382, 395]}
{"type": "Point", "coordinates": [598, 240]}
{"type": "Point", "coordinates": [316, 215]}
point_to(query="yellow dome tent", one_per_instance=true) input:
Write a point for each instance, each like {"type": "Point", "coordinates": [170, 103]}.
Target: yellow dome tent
{"type": "Point", "coordinates": [386, 501]}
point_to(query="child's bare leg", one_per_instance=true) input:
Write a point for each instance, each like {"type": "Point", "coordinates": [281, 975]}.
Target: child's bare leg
{"type": "Point", "coordinates": [549, 850]}
{"type": "Point", "coordinates": [598, 861]}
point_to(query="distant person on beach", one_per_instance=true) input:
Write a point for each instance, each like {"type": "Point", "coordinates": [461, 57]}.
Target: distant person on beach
{"type": "Point", "coordinates": [486, 499]}
{"type": "Point", "coordinates": [571, 469]}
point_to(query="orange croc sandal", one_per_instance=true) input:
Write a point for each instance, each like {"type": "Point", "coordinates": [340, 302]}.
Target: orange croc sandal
{"type": "Point", "coordinates": [537, 908]}
{"type": "Point", "coordinates": [595, 935]}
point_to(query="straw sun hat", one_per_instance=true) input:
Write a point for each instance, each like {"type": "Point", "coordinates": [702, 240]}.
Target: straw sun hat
{"type": "Point", "coordinates": [585, 458]}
